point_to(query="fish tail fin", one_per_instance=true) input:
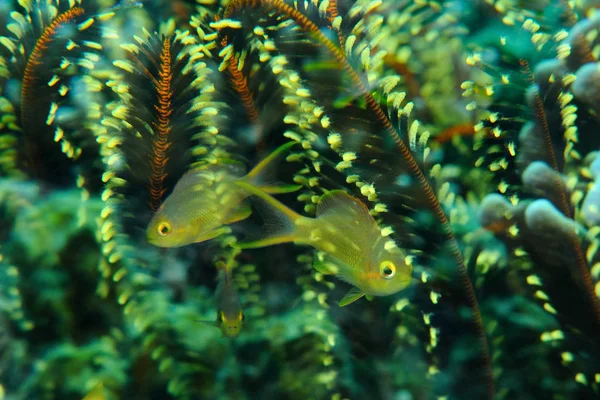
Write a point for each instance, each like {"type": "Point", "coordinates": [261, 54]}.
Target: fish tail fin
{"type": "Point", "coordinates": [279, 220]}
{"type": "Point", "coordinates": [261, 175]}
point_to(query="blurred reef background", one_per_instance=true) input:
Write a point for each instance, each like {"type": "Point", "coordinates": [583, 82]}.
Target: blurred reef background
{"type": "Point", "coordinates": [470, 129]}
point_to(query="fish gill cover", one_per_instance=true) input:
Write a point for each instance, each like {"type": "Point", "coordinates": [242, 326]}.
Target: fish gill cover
{"type": "Point", "coordinates": [467, 130]}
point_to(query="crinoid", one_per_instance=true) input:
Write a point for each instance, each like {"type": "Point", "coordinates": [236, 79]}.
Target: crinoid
{"type": "Point", "coordinates": [353, 106]}
{"type": "Point", "coordinates": [47, 49]}
{"type": "Point", "coordinates": [542, 156]}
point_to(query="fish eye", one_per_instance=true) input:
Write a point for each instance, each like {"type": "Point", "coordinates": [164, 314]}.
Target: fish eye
{"type": "Point", "coordinates": [387, 269]}
{"type": "Point", "coordinates": [164, 228]}
{"type": "Point", "coordinates": [243, 317]}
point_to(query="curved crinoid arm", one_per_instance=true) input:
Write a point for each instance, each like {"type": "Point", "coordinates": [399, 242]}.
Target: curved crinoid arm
{"type": "Point", "coordinates": [46, 49]}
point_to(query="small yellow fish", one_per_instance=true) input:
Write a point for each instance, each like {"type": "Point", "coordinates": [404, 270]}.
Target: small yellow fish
{"type": "Point", "coordinates": [356, 251]}
{"type": "Point", "coordinates": [230, 315]}
{"type": "Point", "coordinates": [206, 199]}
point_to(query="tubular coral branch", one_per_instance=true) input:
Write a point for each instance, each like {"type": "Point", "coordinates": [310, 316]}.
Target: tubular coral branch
{"type": "Point", "coordinates": [307, 25]}
{"type": "Point", "coordinates": [570, 14]}
{"type": "Point", "coordinates": [583, 49]}
{"type": "Point", "coordinates": [161, 143]}
{"type": "Point", "coordinates": [35, 58]}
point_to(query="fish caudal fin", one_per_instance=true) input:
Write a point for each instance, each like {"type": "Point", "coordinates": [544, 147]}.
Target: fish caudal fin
{"type": "Point", "coordinates": [279, 220]}
{"type": "Point", "coordinates": [261, 174]}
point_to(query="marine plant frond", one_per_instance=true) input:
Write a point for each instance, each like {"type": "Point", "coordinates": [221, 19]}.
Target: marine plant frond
{"type": "Point", "coordinates": [396, 38]}
{"type": "Point", "coordinates": [162, 127]}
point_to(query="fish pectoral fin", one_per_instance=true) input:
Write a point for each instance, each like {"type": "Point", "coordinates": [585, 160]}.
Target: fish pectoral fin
{"type": "Point", "coordinates": [369, 297]}
{"type": "Point", "coordinates": [262, 175]}
{"type": "Point", "coordinates": [239, 214]}
{"type": "Point", "coordinates": [278, 189]}
{"type": "Point", "coordinates": [213, 234]}
{"type": "Point", "coordinates": [350, 297]}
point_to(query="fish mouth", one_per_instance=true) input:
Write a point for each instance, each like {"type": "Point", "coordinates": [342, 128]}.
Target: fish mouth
{"type": "Point", "coordinates": [157, 243]}
{"type": "Point", "coordinates": [150, 239]}
{"type": "Point", "coordinates": [154, 240]}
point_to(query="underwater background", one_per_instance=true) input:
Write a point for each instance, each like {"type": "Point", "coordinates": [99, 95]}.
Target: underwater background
{"type": "Point", "coordinates": [470, 129]}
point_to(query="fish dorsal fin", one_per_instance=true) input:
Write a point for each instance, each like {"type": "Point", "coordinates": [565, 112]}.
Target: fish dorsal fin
{"type": "Point", "coordinates": [189, 179]}
{"type": "Point", "coordinates": [350, 297]}
{"type": "Point", "coordinates": [262, 175]}
{"type": "Point", "coordinates": [205, 176]}
{"type": "Point", "coordinates": [340, 202]}
{"type": "Point", "coordinates": [351, 216]}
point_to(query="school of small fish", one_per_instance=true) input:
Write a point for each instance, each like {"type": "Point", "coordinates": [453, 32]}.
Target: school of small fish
{"type": "Point", "coordinates": [350, 243]}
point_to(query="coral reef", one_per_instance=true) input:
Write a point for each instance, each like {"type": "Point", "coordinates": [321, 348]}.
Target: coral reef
{"type": "Point", "coordinates": [467, 129]}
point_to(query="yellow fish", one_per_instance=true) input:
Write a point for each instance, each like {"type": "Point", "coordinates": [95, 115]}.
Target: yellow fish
{"type": "Point", "coordinates": [356, 251]}
{"type": "Point", "coordinates": [230, 315]}
{"type": "Point", "coordinates": [207, 199]}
